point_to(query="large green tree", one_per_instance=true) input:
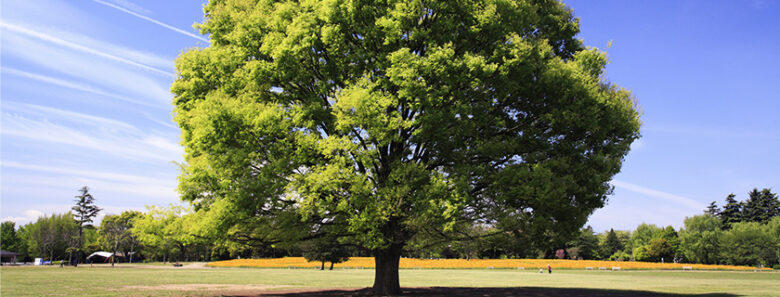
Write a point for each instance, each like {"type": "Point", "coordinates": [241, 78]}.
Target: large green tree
{"type": "Point", "coordinates": [385, 118]}
{"type": "Point", "coordinates": [156, 230]}
{"type": "Point", "coordinates": [115, 233]}
{"type": "Point", "coordinates": [644, 233]}
{"type": "Point", "coordinates": [700, 239]}
{"type": "Point", "coordinates": [748, 243]}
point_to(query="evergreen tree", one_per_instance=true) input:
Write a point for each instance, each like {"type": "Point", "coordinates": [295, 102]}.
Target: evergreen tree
{"type": "Point", "coordinates": [587, 244]}
{"type": "Point", "coordinates": [612, 244]}
{"type": "Point", "coordinates": [84, 210]}
{"type": "Point", "coordinates": [732, 211]}
{"type": "Point", "coordinates": [712, 209]}
{"type": "Point", "coordinates": [761, 206]}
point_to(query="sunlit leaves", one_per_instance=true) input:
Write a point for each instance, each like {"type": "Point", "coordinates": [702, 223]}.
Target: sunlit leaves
{"type": "Point", "coordinates": [381, 119]}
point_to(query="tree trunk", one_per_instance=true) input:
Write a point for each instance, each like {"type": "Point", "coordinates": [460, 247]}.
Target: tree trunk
{"type": "Point", "coordinates": [386, 276]}
{"type": "Point", "coordinates": [113, 254]}
{"type": "Point", "coordinates": [81, 243]}
{"type": "Point", "coordinates": [331, 265]}
{"type": "Point", "coordinates": [132, 252]}
{"type": "Point", "coordinates": [323, 265]}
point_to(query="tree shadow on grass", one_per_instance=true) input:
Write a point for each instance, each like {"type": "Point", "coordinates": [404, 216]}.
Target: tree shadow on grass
{"type": "Point", "coordinates": [501, 292]}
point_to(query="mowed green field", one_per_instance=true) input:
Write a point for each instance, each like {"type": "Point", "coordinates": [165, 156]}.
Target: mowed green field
{"type": "Point", "coordinates": [162, 281]}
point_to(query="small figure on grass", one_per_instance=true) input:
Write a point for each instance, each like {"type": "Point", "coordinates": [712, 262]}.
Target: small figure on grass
{"type": "Point", "coordinates": [549, 268]}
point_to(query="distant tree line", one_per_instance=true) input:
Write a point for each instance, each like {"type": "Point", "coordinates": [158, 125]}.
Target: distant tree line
{"type": "Point", "coordinates": [741, 233]}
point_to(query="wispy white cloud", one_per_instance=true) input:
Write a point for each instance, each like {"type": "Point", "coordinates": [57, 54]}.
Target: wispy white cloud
{"type": "Point", "coordinates": [71, 45]}
{"type": "Point", "coordinates": [121, 78]}
{"type": "Point", "coordinates": [62, 55]}
{"type": "Point", "coordinates": [676, 199]}
{"type": "Point", "coordinates": [30, 215]}
{"type": "Point", "coordinates": [131, 6]}
{"type": "Point", "coordinates": [51, 13]}
{"type": "Point", "coordinates": [96, 134]}
{"type": "Point", "coordinates": [76, 117]}
{"type": "Point", "coordinates": [151, 20]}
{"type": "Point", "coordinates": [113, 188]}
{"type": "Point", "coordinates": [167, 124]}
{"type": "Point", "coordinates": [75, 86]}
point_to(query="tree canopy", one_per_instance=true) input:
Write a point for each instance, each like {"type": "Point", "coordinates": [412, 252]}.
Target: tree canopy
{"type": "Point", "coordinates": [382, 119]}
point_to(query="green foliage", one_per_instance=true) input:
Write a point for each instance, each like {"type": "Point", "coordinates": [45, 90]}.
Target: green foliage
{"type": "Point", "coordinates": [774, 230]}
{"type": "Point", "coordinates": [9, 241]}
{"type": "Point", "coordinates": [620, 256]}
{"type": "Point", "coordinates": [700, 239]}
{"type": "Point", "coordinates": [611, 244]}
{"type": "Point", "coordinates": [644, 233]}
{"type": "Point", "coordinates": [23, 245]}
{"type": "Point", "coordinates": [761, 206]}
{"type": "Point", "coordinates": [748, 243]}
{"type": "Point", "coordinates": [732, 211]}
{"type": "Point", "coordinates": [159, 230]}
{"type": "Point", "coordinates": [115, 232]}
{"type": "Point", "coordinates": [326, 250]}
{"type": "Point", "coordinates": [712, 209]}
{"type": "Point", "coordinates": [673, 239]}
{"type": "Point", "coordinates": [397, 117]}
{"type": "Point", "coordinates": [640, 254]}
{"type": "Point", "coordinates": [49, 237]}
{"type": "Point", "coordinates": [85, 208]}
{"type": "Point", "coordinates": [659, 249]}
{"type": "Point", "coordinates": [587, 244]}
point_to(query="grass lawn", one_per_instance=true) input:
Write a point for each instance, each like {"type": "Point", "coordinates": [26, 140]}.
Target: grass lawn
{"type": "Point", "coordinates": [155, 280]}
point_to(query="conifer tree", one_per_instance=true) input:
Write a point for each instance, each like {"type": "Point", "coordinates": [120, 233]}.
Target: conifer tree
{"type": "Point", "coordinates": [732, 211]}
{"type": "Point", "coordinates": [84, 210]}
{"type": "Point", "coordinates": [712, 209]}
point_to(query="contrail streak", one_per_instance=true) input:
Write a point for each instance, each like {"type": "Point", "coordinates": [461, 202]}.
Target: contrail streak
{"type": "Point", "coordinates": [151, 20]}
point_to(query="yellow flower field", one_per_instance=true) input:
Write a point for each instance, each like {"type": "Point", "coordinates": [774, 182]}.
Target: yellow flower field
{"type": "Point", "coordinates": [368, 262]}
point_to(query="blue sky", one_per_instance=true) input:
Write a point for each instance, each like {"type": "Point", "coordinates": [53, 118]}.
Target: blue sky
{"type": "Point", "coordinates": [85, 101]}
